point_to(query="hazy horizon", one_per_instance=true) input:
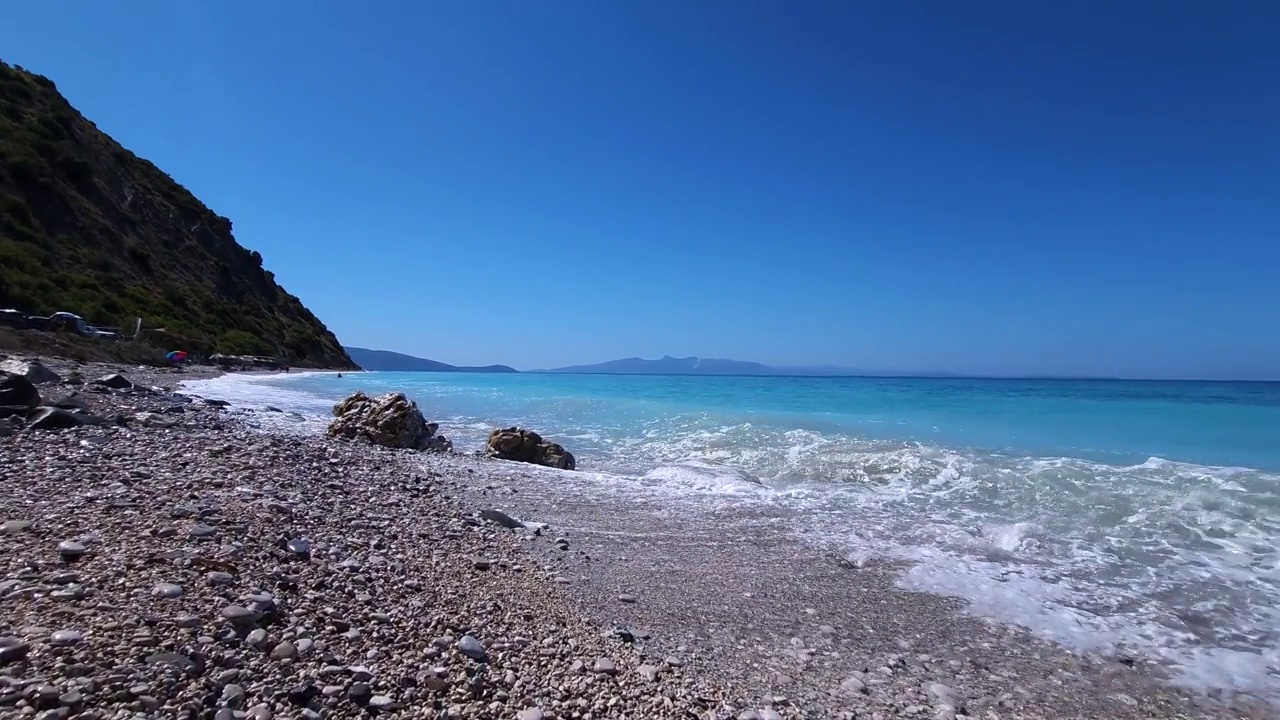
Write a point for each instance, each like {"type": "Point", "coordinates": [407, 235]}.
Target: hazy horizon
{"type": "Point", "coordinates": [1004, 189]}
{"type": "Point", "coordinates": [842, 371]}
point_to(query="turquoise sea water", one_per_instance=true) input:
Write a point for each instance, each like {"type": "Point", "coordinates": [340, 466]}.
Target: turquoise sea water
{"type": "Point", "coordinates": [1142, 516]}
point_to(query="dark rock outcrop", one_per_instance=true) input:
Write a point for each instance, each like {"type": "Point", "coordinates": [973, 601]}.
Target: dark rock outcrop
{"type": "Point", "coordinates": [52, 418]}
{"type": "Point", "coordinates": [527, 446]}
{"type": "Point", "coordinates": [115, 382]}
{"type": "Point", "coordinates": [390, 420]}
{"type": "Point", "coordinates": [17, 390]}
{"type": "Point", "coordinates": [33, 371]}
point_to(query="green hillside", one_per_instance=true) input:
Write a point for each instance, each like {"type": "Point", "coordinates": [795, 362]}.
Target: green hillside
{"type": "Point", "coordinates": [88, 227]}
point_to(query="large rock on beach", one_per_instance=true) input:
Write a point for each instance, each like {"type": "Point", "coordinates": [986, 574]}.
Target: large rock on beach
{"type": "Point", "coordinates": [17, 391]}
{"type": "Point", "coordinates": [33, 371]}
{"type": "Point", "coordinates": [115, 381]}
{"type": "Point", "coordinates": [390, 420]}
{"type": "Point", "coordinates": [528, 446]}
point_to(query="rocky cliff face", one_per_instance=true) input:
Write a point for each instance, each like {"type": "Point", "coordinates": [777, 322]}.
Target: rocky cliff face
{"type": "Point", "coordinates": [88, 227]}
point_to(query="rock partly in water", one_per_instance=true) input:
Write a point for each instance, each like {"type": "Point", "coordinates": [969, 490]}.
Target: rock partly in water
{"type": "Point", "coordinates": [33, 371]}
{"type": "Point", "coordinates": [17, 391]}
{"type": "Point", "coordinates": [527, 446]}
{"type": "Point", "coordinates": [390, 420]}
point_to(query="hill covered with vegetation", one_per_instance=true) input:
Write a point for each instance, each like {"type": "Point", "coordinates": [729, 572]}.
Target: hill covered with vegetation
{"type": "Point", "coordinates": [88, 227]}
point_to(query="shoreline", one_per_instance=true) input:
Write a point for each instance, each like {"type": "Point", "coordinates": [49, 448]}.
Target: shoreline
{"type": "Point", "coordinates": [753, 622]}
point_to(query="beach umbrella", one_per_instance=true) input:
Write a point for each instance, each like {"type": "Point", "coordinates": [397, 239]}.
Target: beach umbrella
{"type": "Point", "coordinates": [176, 356]}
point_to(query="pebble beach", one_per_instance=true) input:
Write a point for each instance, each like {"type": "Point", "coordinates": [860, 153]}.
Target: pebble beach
{"type": "Point", "coordinates": [195, 566]}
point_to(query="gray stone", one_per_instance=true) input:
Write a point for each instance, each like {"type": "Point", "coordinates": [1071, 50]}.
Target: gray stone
{"type": "Point", "coordinates": [257, 638]}
{"type": "Point", "coordinates": [115, 382]}
{"type": "Point", "coordinates": [770, 714]}
{"type": "Point", "coordinates": [853, 685]}
{"type": "Point", "coordinates": [34, 371]}
{"type": "Point", "coordinates": [225, 713]}
{"type": "Point", "coordinates": [13, 649]}
{"type": "Point", "coordinates": [187, 622]}
{"type": "Point", "coordinates": [674, 661]}
{"type": "Point", "coordinates": [218, 578]}
{"type": "Point", "coordinates": [480, 563]}
{"type": "Point", "coordinates": [748, 715]}
{"type": "Point", "coordinates": [380, 702]}
{"type": "Point", "coordinates": [472, 648]}
{"type": "Point", "coordinates": [941, 693]}
{"type": "Point", "coordinates": [604, 666]}
{"type": "Point", "coordinates": [240, 615]}
{"type": "Point", "coordinates": [15, 526]}
{"type": "Point", "coordinates": [70, 549]}
{"type": "Point", "coordinates": [530, 714]}
{"type": "Point", "coordinates": [200, 530]}
{"type": "Point", "coordinates": [649, 672]}
{"type": "Point", "coordinates": [360, 693]}
{"type": "Point", "coordinates": [172, 658]}
{"type": "Point", "coordinates": [304, 646]}
{"type": "Point", "coordinates": [52, 418]}
{"type": "Point", "coordinates": [66, 638]}
{"type": "Point", "coordinates": [501, 518]}
{"type": "Point", "coordinates": [299, 546]}
{"type": "Point", "coordinates": [233, 696]}
{"type": "Point", "coordinates": [626, 598]}
{"type": "Point", "coordinates": [167, 590]}
{"type": "Point", "coordinates": [71, 698]}
{"type": "Point", "coordinates": [260, 712]}
{"type": "Point", "coordinates": [284, 651]}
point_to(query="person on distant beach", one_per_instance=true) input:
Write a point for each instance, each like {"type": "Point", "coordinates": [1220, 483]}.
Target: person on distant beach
{"type": "Point", "coordinates": [339, 374]}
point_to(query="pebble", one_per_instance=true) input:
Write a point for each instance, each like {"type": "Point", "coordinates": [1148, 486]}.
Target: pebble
{"type": "Point", "coordinates": [748, 715]}
{"type": "Point", "coordinates": [853, 685]}
{"type": "Point", "coordinates": [770, 714]}
{"type": "Point", "coordinates": [604, 666]}
{"type": "Point", "coordinates": [380, 702]}
{"type": "Point", "coordinates": [257, 638]}
{"type": "Point", "coordinates": [218, 578]}
{"type": "Point", "coordinates": [626, 598]}
{"type": "Point", "coordinates": [472, 648]}
{"type": "Point", "coordinates": [530, 714]}
{"type": "Point", "coordinates": [233, 696]}
{"type": "Point", "coordinates": [284, 651]}
{"type": "Point", "coordinates": [360, 693]}
{"type": "Point", "coordinates": [299, 546]}
{"type": "Point", "coordinates": [167, 590]}
{"type": "Point", "coordinates": [649, 672]}
{"type": "Point", "coordinates": [70, 549]}
{"type": "Point", "coordinates": [66, 638]}
{"type": "Point", "coordinates": [13, 649]}
{"type": "Point", "coordinates": [200, 530]}
{"type": "Point", "coordinates": [480, 563]}
{"type": "Point", "coordinates": [240, 615]}
{"type": "Point", "coordinates": [15, 526]}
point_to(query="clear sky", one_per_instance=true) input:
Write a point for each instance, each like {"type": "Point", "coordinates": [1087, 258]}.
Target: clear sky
{"type": "Point", "coordinates": [981, 187]}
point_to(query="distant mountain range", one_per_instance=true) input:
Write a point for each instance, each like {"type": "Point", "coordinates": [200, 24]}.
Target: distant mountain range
{"type": "Point", "coordinates": [695, 366]}
{"type": "Point", "coordinates": [387, 361]}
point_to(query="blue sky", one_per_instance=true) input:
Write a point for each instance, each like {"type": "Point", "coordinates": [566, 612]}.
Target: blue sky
{"type": "Point", "coordinates": [1087, 188]}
